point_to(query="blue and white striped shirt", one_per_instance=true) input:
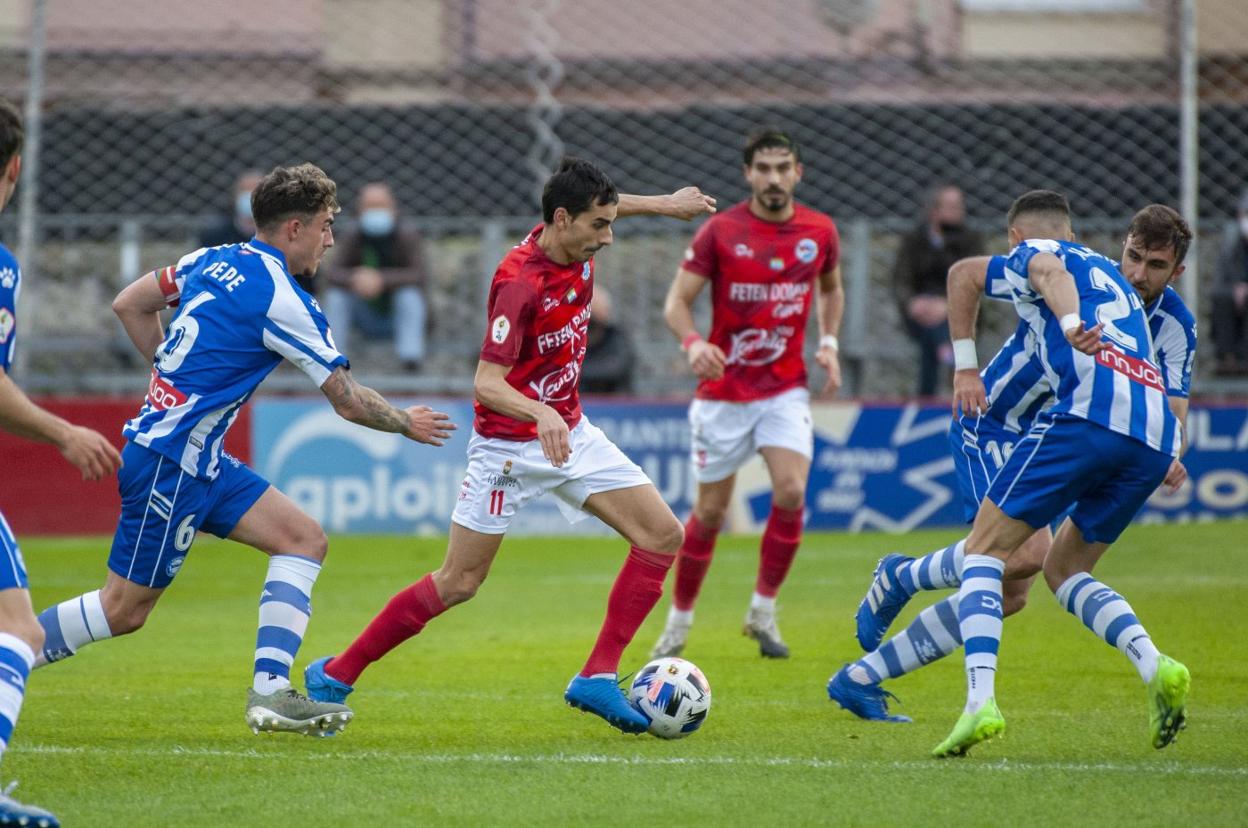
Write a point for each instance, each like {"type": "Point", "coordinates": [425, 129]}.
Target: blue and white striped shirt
{"type": "Point", "coordinates": [10, 288]}
{"type": "Point", "coordinates": [240, 314]}
{"type": "Point", "coordinates": [1121, 388]}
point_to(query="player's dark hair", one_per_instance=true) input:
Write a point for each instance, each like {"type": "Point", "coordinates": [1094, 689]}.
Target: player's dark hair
{"type": "Point", "coordinates": [1158, 227]}
{"type": "Point", "coordinates": [292, 192]}
{"type": "Point", "coordinates": [576, 186]}
{"type": "Point", "coordinates": [769, 138]}
{"type": "Point", "coordinates": [11, 133]}
{"type": "Point", "coordinates": [1042, 204]}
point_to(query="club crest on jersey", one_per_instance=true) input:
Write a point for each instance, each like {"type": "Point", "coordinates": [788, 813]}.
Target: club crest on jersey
{"type": "Point", "coordinates": [806, 251]}
{"type": "Point", "coordinates": [8, 278]}
{"type": "Point", "coordinates": [585, 272]}
{"type": "Point", "coordinates": [499, 328]}
{"type": "Point", "coordinates": [776, 263]}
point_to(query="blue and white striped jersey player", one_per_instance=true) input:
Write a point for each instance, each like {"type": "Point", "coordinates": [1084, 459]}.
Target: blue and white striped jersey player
{"type": "Point", "coordinates": [20, 634]}
{"type": "Point", "coordinates": [992, 412]}
{"type": "Point", "coordinates": [240, 313]}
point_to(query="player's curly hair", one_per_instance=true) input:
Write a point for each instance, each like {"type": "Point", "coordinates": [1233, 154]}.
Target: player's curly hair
{"type": "Point", "coordinates": [1158, 227]}
{"type": "Point", "coordinates": [292, 192]}
{"type": "Point", "coordinates": [11, 132]}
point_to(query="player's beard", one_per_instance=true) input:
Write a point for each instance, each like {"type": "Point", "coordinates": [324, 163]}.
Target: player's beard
{"type": "Point", "coordinates": [774, 200]}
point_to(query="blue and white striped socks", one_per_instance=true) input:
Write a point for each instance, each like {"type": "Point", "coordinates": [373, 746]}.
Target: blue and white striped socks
{"type": "Point", "coordinates": [70, 625]}
{"type": "Point", "coordinates": [932, 635]}
{"type": "Point", "coordinates": [980, 612]}
{"type": "Point", "coordinates": [285, 606]}
{"type": "Point", "coordinates": [16, 660]}
{"type": "Point", "coordinates": [1108, 614]}
{"type": "Point", "coordinates": [941, 569]}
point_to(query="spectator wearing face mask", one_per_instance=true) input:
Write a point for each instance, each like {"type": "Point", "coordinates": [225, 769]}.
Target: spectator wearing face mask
{"type": "Point", "coordinates": [609, 354]}
{"type": "Point", "coordinates": [375, 285]}
{"type": "Point", "coordinates": [1229, 310]}
{"type": "Point", "coordinates": [919, 275]}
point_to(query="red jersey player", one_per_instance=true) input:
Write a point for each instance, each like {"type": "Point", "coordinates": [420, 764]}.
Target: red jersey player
{"type": "Point", "coordinates": [763, 259]}
{"type": "Point", "coordinates": [530, 438]}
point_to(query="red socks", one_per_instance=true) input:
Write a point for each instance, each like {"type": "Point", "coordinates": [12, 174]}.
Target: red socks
{"type": "Point", "coordinates": [692, 562]}
{"type": "Point", "coordinates": [637, 589]}
{"type": "Point", "coordinates": [780, 540]}
{"type": "Point", "coordinates": [405, 615]}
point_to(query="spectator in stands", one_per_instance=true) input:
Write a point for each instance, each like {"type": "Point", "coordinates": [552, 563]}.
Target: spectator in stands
{"type": "Point", "coordinates": [923, 261]}
{"type": "Point", "coordinates": [1229, 312]}
{"type": "Point", "coordinates": [238, 225]}
{"type": "Point", "coordinates": [376, 283]}
{"type": "Point", "coordinates": [609, 356]}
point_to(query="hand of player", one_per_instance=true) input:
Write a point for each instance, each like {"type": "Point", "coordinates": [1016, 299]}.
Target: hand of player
{"type": "Point", "coordinates": [829, 360]}
{"type": "Point", "coordinates": [90, 452]}
{"type": "Point", "coordinates": [706, 360]}
{"type": "Point", "coordinates": [1089, 341]}
{"type": "Point", "coordinates": [969, 396]}
{"type": "Point", "coordinates": [424, 425]}
{"type": "Point", "coordinates": [367, 283]}
{"type": "Point", "coordinates": [1176, 476]}
{"type": "Point", "coordinates": [689, 203]}
{"type": "Point", "coordinates": [552, 432]}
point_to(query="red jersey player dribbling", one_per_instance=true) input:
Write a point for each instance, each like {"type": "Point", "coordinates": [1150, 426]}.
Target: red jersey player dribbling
{"type": "Point", "coordinates": [530, 437]}
{"type": "Point", "coordinates": [765, 259]}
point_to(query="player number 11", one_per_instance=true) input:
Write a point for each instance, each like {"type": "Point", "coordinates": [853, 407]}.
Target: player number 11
{"type": "Point", "coordinates": [496, 502]}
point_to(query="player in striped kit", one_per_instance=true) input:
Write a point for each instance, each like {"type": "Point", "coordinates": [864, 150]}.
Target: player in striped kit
{"type": "Point", "coordinates": [1106, 443]}
{"type": "Point", "coordinates": [20, 634]}
{"type": "Point", "coordinates": [240, 313]}
{"type": "Point", "coordinates": [992, 412]}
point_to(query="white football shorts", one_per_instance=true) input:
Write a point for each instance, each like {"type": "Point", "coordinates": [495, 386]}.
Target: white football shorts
{"type": "Point", "coordinates": [503, 475]}
{"type": "Point", "coordinates": [727, 434]}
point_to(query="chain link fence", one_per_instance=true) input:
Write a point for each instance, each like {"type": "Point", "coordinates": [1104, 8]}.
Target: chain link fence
{"type": "Point", "coordinates": [147, 114]}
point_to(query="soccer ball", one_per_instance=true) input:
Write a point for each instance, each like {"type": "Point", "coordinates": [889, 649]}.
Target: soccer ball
{"type": "Point", "coordinates": [674, 694]}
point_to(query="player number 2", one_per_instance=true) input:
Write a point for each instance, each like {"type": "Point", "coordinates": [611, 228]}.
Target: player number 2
{"type": "Point", "coordinates": [1119, 308]}
{"type": "Point", "coordinates": [496, 502]}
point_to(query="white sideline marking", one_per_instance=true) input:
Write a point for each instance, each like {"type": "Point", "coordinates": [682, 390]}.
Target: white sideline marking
{"type": "Point", "coordinates": [1002, 765]}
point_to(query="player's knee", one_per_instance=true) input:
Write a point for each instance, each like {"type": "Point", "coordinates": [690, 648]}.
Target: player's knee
{"type": "Point", "coordinates": [457, 587]}
{"type": "Point", "coordinates": [788, 495]}
{"type": "Point", "coordinates": [28, 630]}
{"type": "Point", "coordinates": [1012, 603]}
{"type": "Point", "coordinates": [670, 539]}
{"type": "Point", "coordinates": [127, 619]}
{"type": "Point", "coordinates": [1056, 573]}
{"type": "Point", "coordinates": [310, 541]}
{"type": "Point", "coordinates": [711, 516]}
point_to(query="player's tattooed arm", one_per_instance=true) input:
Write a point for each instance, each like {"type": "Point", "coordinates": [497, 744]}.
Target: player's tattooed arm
{"type": "Point", "coordinates": [685, 204]}
{"type": "Point", "coordinates": [138, 306]}
{"type": "Point", "coordinates": [361, 404]}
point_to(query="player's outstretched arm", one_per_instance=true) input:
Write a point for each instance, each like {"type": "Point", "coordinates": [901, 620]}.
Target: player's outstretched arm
{"type": "Point", "coordinates": [1051, 280]}
{"type": "Point", "coordinates": [138, 306]}
{"type": "Point", "coordinates": [830, 302]}
{"type": "Point", "coordinates": [87, 450]}
{"type": "Point", "coordinates": [686, 203]}
{"type": "Point", "coordinates": [494, 392]}
{"type": "Point", "coordinates": [965, 284]}
{"type": "Point", "coordinates": [361, 404]}
{"type": "Point", "coordinates": [705, 359]}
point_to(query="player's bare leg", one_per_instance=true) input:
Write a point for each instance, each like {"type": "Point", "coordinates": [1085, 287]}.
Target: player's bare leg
{"type": "Point", "coordinates": [710, 508]}
{"type": "Point", "coordinates": [1068, 571]}
{"type": "Point", "coordinates": [296, 546]}
{"type": "Point", "coordinates": [469, 555]}
{"type": "Point", "coordinates": [639, 514]}
{"type": "Point", "coordinates": [789, 471]}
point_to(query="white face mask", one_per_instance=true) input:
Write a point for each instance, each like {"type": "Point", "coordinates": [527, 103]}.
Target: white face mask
{"type": "Point", "coordinates": [1243, 226]}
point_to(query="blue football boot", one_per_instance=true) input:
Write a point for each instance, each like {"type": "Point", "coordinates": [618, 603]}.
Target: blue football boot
{"type": "Point", "coordinates": [321, 686]}
{"type": "Point", "coordinates": [866, 701]}
{"type": "Point", "coordinates": [13, 812]}
{"type": "Point", "coordinates": [603, 697]}
{"type": "Point", "coordinates": [883, 601]}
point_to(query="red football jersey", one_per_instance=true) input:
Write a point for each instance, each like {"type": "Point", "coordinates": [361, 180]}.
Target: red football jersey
{"type": "Point", "coordinates": [538, 314]}
{"type": "Point", "coordinates": [763, 277]}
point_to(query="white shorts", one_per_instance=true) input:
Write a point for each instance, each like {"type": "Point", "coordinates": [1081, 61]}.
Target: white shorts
{"type": "Point", "coordinates": [727, 434]}
{"type": "Point", "coordinates": [503, 475]}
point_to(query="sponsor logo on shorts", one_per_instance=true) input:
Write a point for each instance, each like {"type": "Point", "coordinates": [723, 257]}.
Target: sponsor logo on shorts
{"type": "Point", "coordinates": [174, 565]}
{"type": "Point", "coordinates": [806, 251]}
{"type": "Point", "coordinates": [502, 481]}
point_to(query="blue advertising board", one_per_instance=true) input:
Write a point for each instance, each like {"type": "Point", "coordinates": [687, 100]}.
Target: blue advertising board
{"type": "Point", "coordinates": [875, 467]}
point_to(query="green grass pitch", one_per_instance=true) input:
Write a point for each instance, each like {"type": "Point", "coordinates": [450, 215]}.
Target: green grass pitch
{"type": "Point", "coordinates": [466, 723]}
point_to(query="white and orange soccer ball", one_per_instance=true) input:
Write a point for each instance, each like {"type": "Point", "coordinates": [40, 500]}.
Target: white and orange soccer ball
{"type": "Point", "coordinates": [674, 694]}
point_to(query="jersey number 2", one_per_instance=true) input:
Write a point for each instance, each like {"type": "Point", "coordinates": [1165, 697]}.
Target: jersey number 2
{"type": "Point", "coordinates": [1110, 312]}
